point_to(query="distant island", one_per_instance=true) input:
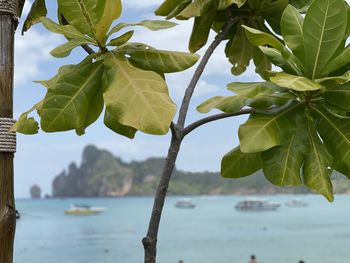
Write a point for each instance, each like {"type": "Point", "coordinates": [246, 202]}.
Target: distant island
{"type": "Point", "coordinates": [101, 174]}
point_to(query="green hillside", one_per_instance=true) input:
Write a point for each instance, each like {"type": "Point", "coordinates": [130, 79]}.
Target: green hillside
{"type": "Point", "coordinates": [102, 174]}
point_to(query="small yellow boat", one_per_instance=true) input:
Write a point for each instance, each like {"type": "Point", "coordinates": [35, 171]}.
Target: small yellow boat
{"type": "Point", "coordinates": [84, 210]}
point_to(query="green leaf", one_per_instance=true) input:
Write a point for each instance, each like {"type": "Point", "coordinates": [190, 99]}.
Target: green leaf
{"type": "Point", "coordinates": [252, 89]}
{"type": "Point", "coordinates": [167, 7]}
{"type": "Point", "coordinates": [239, 52]}
{"type": "Point", "coordinates": [259, 38]}
{"type": "Point", "coordinates": [262, 64]}
{"type": "Point", "coordinates": [224, 4]}
{"type": "Point", "coordinates": [292, 31]}
{"type": "Point", "coordinates": [135, 97]}
{"type": "Point", "coordinates": [276, 58]}
{"type": "Point", "coordinates": [71, 101]}
{"type": "Point", "coordinates": [68, 30]}
{"type": "Point", "coordinates": [201, 30]}
{"type": "Point", "coordinates": [301, 5]}
{"type": "Point", "coordinates": [148, 58]}
{"type": "Point", "coordinates": [196, 8]}
{"type": "Point", "coordinates": [295, 82]}
{"type": "Point", "coordinates": [27, 125]}
{"type": "Point", "coordinates": [225, 104]}
{"type": "Point", "coordinates": [236, 164]}
{"type": "Point", "coordinates": [65, 49]}
{"type": "Point", "coordinates": [37, 11]}
{"type": "Point", "coordinates": [335, 133]}
{"type": "Point", "coordinates": [316, 169]}
{"type": "Point", "coordinates": [341, 60]}
{"type": "Point", "coordinates": [121, 40]}
{"type": "Point", "coordinates": [111, 11]}
{"type": "Point", "coordinates": [51, 82]}
{"type": "Point", "coordinates": [178, 9]}
{"type": "Point", "coordinates": [323, 30]}
{"type": "Point", "coordinates": [83, 15]}
{"type": "Point", "coordinates": [112, 123]}
{"type": "Point", "coordinates": [264, 131]}
{"type": "Point", "coordinates": [339, 97]}
{"type": "Point", "coordinates": [153, 25]}
{"type": "Point", "coordinates": [282, 164]}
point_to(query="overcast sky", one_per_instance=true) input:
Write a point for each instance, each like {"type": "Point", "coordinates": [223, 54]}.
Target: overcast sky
{"type": "Point", "coordinates": [41, 157]}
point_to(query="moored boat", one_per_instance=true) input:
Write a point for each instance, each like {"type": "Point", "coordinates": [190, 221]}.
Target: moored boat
{"type": "Point", "coordinates": [185, 203]}
{"type": "Point", "coordinates": [84, 210]}
{"type": "Point", "coordinates": [256, 205]}
{"type": "Point", "coordinates": [296, 203]}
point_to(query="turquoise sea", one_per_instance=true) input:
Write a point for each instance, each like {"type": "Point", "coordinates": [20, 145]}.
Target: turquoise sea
{"type": "Point", "coordinates": [213, 232]}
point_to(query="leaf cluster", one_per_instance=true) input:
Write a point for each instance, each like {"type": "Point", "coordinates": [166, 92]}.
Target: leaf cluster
{"type": "Point", "coordinates": [125, 78]}
{"type": "Point", "coordinates": [299, 130]}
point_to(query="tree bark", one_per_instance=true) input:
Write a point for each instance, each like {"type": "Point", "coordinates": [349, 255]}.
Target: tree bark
{"type": "Point", "coordinates": [7, 202]}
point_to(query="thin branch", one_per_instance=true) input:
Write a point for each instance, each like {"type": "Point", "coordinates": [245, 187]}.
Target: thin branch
{"type": "Point", "coordinates": [88, 49]}
{"type": "Point", "coordinates": [212, 118]}
{"type": "Point", "coordinates": [199, 71]}
{"type": "Point", "coordinates": [150, 241]}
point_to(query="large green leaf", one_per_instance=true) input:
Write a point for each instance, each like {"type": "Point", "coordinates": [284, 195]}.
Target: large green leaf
{"type": "Point", "coordinates": [260, 38]}
{"type": "Point", "coordinates": [83, 15]}
{"type": "Point", "coordinates": [338, 62]}
{"type": "Point", "coordinates": [65, 49]}
{"type": "Point", "coordinates": [196, 8]}
{"type": "Point", "coordinates": [339, 97]}
{"type": "Point", "coordinates": [71, 101]}
{"type": "Point", "coordinates": [292, 31]}
{"type": "Point", "coordinates": [37, 11]}
{"type": "Point", "coordinates": [122, 39]}
{"type": "Point", "coordinates": [323, 31]}
{"type": "Point", "coordinates": [153, 25]}
{"type": "Point", "coordinates": [252, 89]}
{"type": "Point", "coordinates": [111, 122]}
{"type": "Point", "coordinates": [282, 164]}
{"type": "Point", "coordinates": [264, 131]}
{"type": "Point", "coordinates": [239, 52]}
{"type": "Point", "coordinates": [136, 98]}
{"type": "Point", "coordinates": [201, 29]}
{"type": "Point", "coordinates": [111, 11]}
{"type": "Point", "coordinates": [167, 7]}
{"type": "Point", "coordinates": [236, 164]}
{"type": "Point", "coordinates": [226, 104]}
{"type": "Point", "coordinates": [301, 5]}
{"type": "Point", "coordinates": [295, 82]}
{"type": "Point", "coordinates": [148, 58]}
{"type": "Point", "coordinates": [316, 169]}
{"type": "Point", "coordinates": [67, 30]}
{"type": "Point", "coordinates": [335, 133]}
{"type": "Point", "coordinates": [276, 58]}
{"type": "Point", "coordinates": [262, 64]}
{"type": "Point", "coordinates": [178, 9]}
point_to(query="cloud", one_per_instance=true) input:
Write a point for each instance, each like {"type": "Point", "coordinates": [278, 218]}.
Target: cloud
{"type": "Point", "coordinates": [31, 50]}
{"type": "Point", "coordinates": [141, 4]}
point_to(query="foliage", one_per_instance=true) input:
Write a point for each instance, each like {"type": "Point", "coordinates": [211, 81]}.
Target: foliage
{"type": "Point", "coordinates": [298, 131]}
{"type": "Point", "coordinates": [133, 92]}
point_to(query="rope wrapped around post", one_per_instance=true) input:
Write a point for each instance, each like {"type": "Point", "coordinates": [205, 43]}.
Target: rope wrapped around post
{"type": "Point", "coordinates": [7, 138]}
{"type": "Point", "coordinates": [9, 7]}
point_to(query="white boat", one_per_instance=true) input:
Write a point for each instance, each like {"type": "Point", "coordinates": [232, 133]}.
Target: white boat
{"type": "Point", "coordinates": [256, 205]}
{"type": "Point", "coordinates": [84, 210]}
{"type": "Point", "coordinates": [296, 203]}
{"type": "Point", "coordinates": [185, 203]}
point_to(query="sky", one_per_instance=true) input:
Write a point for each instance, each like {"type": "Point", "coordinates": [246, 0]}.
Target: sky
{"type": "Point", "coordinates": [41, 157]}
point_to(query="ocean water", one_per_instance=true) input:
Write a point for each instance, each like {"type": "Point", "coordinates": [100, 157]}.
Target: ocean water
{"type": "Point", "coordinates": [213, 232]}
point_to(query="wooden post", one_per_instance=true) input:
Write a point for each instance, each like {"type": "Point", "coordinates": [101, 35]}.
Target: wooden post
{"type": "Point", "coordinates": [8, 13]}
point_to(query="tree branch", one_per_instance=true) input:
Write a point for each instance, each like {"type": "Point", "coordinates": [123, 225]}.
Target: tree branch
{"type": "Point", "coordinates": [212, 118]}
{"type": "Point", "coordinates": [150, 241]}
{"type": "Point", "coordinates": [199, 71]}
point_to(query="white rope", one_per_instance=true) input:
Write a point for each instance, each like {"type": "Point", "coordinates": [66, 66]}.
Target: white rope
{"type": "Point", "coordinates": [7, 138]}
{"type": "Point", "coordinates": [9, 7]}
